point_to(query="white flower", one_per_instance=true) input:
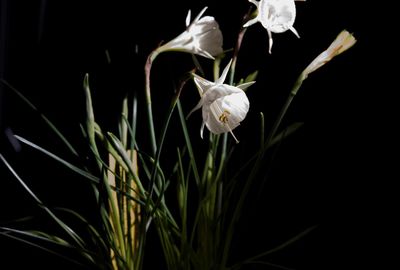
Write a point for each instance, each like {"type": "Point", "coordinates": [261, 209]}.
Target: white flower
{"type": "Point", "coordinates": [202, 37]}
{"type": "Point", "coordinates": [277, 16]}
{"type": "Point", "coordinates": [223, 106]}
{"type": "Point", "coordinates": [343, 42]}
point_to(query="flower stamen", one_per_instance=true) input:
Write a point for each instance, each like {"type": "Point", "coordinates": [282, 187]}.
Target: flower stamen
{"type": "Point", "coordinates": [224, 116]}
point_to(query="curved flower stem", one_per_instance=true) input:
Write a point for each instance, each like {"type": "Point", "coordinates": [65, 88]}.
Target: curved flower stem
{"type": "Point", "coordinates": [147, 71]}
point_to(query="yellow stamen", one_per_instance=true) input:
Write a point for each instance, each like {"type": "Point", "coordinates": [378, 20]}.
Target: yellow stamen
{"type": "Point", "coordinates": [224, 116]}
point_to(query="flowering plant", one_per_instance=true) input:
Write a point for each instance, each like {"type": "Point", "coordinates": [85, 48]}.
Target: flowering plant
{"type": "Point", "coordinates": [132, 184]}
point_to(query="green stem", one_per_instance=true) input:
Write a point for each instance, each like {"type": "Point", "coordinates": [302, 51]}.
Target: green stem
{"type": "Point", "coordinates": [284, 109]}
{"type": "Point", "coordinates": [147, 69]}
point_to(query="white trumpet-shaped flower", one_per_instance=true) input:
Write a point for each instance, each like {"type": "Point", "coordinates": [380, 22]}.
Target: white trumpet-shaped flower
{"type": "Point", "coordinates": [277, 16]}
{"type": "Point", "coordinates": [223, 106]}
{"type": "Point", "coordinates": [202, 37]}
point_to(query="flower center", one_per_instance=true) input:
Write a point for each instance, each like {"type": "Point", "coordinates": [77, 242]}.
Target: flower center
{"type": "Point", "coordinates": [224, 116]}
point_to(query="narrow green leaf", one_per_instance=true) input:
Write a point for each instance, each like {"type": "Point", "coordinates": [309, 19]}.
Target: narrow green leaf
{"type": "Point", "coordinates": [286, 132]}
{"type": "Point", "coordinates": [91, 228]}
{"type": "Point", "coordinates": [46, 120]}
{"type": "Point", "coordinates": [85, 174]}
{"type": "Point", "coordinates": [188, 144]}
{"type": "Point", "coordinates": [64, 226]}
{"type": "Point", "coordinates": [124, 158]}
{"type": "Point", "coordinates": [132, 127]}
{"type": "Point", "coordinates": [38, 246]}
{"type": "Point", "coordinates": [123, 128]}
{"type": "Point", "coordinates": [251, 77]}
{"type": "Point", "coordinates": [90, 122]}
{"type": "Point", "coordinates": [262, 130]}
{"type": "Point", "coordinates": [39, 235]}
{"type": "Point", "coordinates": [277, 248]}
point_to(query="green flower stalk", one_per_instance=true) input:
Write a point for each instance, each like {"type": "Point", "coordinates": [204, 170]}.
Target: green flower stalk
{"type": "Point", "coordinates": [343, 42]}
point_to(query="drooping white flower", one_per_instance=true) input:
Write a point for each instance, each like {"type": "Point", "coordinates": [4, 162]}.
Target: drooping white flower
{"type": "Point", "coordinates": [277, 16]}
{"type": "Point", "coordinates": [202, 37]}
{"type": "Point", "coordinates": [223, 106]}
{"type": "Point", "coordinates": [343, 42]}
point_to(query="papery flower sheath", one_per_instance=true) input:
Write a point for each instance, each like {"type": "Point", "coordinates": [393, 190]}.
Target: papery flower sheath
{"type": "Point", "coordinates": [276, 16]}
{"type": "Point", "coordinates": [223, 106]}
{"type": "Point", "coordinates": [202, 37]}
{"type": "Point", "coordinates": [343, 42]}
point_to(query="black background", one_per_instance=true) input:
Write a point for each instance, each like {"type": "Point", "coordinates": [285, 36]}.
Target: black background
{"type": "Point", "coordinates": [320, 176]}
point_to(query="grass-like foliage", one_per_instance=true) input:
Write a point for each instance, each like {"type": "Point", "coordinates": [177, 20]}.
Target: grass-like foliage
{"type": "Point", "coordinates": [194, 201]}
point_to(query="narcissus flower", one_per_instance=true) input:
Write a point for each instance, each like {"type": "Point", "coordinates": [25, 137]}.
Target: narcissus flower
{"type": "Point", "coordinates": [223, 106]}
{"type": "Point", "coordinates": [277, 16]}
{"type": "Point", "coordinates": [343, 42]}
{"type": "Point", "coordinates": [202, 37]}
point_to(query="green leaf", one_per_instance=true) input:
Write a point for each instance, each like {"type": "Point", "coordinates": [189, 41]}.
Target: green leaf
{"type": "Point", "coordinates": [124, 159]}
{"type": "Point", "coordinates": [277, 248]}
{"type": "Point", "coordinates": [72, 167]}
{"type": "Point", "coordinates": [250, 78]}
{"type": "Point", "coordinates": [90, 122]}
{"type": "Point", "coordinates": [91, 228]}
{"type": "Point", "coordinates": [9, 234]}
{"type": "Point", "coordinates": [46, 120]}
{"type": "Point", "coordinates": [123, 128]}
{"type": "Point", "coordinates": [188, 144]}
{"type": "Point", "coordinates": [64, 226]}
{"type": "Point", "coordinates": [286, 132]}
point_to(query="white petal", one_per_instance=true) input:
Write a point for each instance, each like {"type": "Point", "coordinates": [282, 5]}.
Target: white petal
{"type": "Point", "coordinates": [270, 41]}
{"type": "Point", "coordinates": [188, 18]}
{"type": "Point", "coordinates": [238, 105]}
{"type": "Point", "coordinates": [198, 106]}
{"type": "Point", "coordinates": [219, 91]}
{"type": "Point", "coordinates": [202, 84]}
{"type": "Point", "coordinates": [200, 14]}
{"type": "Point", "coordinates": [202, 130]}
{"type": "Point", "coordinates": [213, 122]}
{"type": "Point", "coordinates": [254, 2]}
{"type": "Point", "coordinates": [294, 31]}
{"type": "Point", "coordinates": [207, 37]}
{"type": "Point", "coordinates": [225, 113]}
{"type": "Point", "coordinates": [202, 37]}
{"type": "Point", "coordinates": [224, 73]}
{"type": "Point", "coordinates": [277, 15]}
{"type": "Point", "coordinates": [204, 53]}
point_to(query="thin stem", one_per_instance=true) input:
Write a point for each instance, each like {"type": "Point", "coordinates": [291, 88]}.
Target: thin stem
{"type": "Point", "coordinates": [235, 54]}
{"type": "Point", "coordinates": [284, 109]}
{"type": "Point", "coordinates": [147, 70]}
{"type": "Point", "coordinates": [238, 45]}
